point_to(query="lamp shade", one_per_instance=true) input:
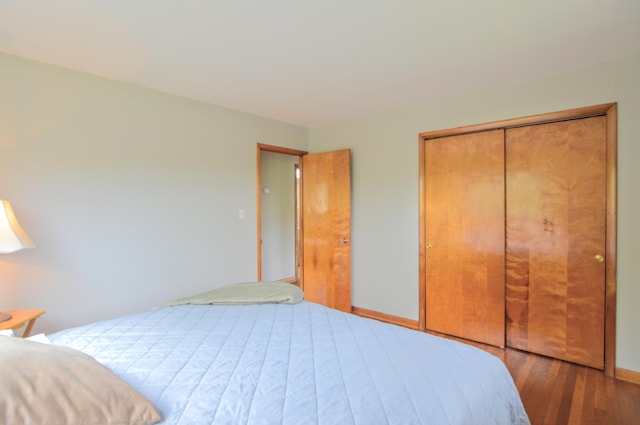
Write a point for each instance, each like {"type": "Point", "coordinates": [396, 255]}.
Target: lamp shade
{"type": "Point", "coordinates": [12, 236]}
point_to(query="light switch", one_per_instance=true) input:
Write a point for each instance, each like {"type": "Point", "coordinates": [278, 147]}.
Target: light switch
{"type": "Point", "coordinates": [241, 214]}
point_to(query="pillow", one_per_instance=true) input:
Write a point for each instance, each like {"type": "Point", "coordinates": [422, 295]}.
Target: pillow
{"type": "Point", "coordinates": [39, 338]}
{"type": "Point", "coordinates": [247, 293]}
{"type": "Point", "coordinates": [49, 384]}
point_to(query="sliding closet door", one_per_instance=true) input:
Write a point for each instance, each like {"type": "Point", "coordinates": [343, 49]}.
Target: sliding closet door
{"type": "Point", "coordinates": [464, 212]}
{"type": "Point", "coordinates": [555, 191]}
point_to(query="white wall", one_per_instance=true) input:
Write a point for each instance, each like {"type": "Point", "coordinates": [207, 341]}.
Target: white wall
{"type": "Point", "coordinates": [385, 182]}
{"type": "Point", "coordinates": [131, 195]}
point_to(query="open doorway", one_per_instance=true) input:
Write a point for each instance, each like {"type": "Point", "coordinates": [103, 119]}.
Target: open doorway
{"type": "Point", "coordinates": [317, 253]}
{"type": "Point", "coordinates": [279, 214]}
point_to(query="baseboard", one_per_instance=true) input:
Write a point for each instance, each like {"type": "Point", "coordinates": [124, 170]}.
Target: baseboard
{"type": "Point", "coordinates": [384, 317]}
{"type": "Point", "coordinates": [628, 375]}
{"type": "Point", "coordinates": [292, 280]}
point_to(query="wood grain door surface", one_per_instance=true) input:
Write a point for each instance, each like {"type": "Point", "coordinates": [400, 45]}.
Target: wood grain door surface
{"type": "Point", "coordinates": [555, 216]}
{"type": "Point", "coordinates": [326, 219]}
{"type": "Point", "coordinates": [465, 257]}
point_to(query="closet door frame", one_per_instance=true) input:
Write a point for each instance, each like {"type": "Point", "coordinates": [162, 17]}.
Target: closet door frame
{"type": "Point", "coordinates": [609, 110]}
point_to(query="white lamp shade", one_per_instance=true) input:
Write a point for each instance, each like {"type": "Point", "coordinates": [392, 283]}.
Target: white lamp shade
{"type": "Point", "coordinates": [12, 236]}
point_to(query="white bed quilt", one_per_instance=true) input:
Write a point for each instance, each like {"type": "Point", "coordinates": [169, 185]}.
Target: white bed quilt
{"type": "Point", "coordinates": [297, 364]}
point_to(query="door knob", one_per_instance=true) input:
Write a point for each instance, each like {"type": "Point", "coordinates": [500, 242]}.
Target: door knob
{"type": "Point", "coordinates": [428, 246]}
{"type": "Point", "coordinates": [599, 258]}
{"type": "Point", "coordinates": [345, 240]}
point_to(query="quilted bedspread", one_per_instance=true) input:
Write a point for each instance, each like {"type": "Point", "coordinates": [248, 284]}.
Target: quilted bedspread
{"type": "Point", "coordinates": [297, 364]}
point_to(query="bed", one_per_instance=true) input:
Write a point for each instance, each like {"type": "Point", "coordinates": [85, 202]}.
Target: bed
{"type": "Point", "coordinates": [295, 363]}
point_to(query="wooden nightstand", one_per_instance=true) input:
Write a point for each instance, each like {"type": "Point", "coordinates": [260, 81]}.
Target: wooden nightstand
{"type": "Point", "coordinates": [20, 317]}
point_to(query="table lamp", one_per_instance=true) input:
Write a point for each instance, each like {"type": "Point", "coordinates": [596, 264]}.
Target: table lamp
{"type": "Point", "coordinates": [12, 237]}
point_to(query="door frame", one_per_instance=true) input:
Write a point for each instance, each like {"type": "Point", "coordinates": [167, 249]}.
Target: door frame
{"type": "Point", "coordinates": [261, 147]}
{"type": "Point", "coordinates": [610, 111]}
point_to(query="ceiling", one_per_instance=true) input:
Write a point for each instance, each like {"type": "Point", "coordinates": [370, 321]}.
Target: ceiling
{"type": "Point", "coordinates": [317, 63]}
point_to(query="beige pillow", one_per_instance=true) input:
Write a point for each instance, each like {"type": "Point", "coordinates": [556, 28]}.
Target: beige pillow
{"type": "Point", "coordinates": [49, 384]}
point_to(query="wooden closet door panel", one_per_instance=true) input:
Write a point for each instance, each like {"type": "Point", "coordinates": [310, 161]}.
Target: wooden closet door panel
{"type": "Point", "coordinates": [555, 191]}
{"type": "Point", "coordinates": [464, 184]}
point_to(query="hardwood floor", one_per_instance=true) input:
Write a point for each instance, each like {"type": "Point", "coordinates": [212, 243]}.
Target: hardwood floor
{"type": "Point", "coordinates": [557, 393]}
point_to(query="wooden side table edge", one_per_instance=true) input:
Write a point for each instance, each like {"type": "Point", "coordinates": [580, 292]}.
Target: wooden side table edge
{"type": "Point", "coordinates": [20, 317]}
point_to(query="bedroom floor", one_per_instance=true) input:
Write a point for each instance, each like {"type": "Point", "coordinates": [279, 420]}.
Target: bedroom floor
{"type": "Point", "coordinates": [558, 393]}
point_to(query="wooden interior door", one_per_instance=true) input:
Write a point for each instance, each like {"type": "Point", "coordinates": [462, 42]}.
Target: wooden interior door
{"type": "Point", "coordinates": [326, 221]}
{"type": "Point", "coordinates": [464, 211]}
{"type": "Point", "coordinates": [555, 215]}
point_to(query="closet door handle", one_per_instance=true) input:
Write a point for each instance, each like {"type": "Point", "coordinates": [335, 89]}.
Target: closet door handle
{"type": "Point", "coordinates": [599, 258]}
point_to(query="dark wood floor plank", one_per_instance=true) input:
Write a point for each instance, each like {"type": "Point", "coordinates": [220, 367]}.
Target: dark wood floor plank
{"type": "Point", "coordinates": [578, 400]}
{"type": "Point", "coordinates": [555, 382]}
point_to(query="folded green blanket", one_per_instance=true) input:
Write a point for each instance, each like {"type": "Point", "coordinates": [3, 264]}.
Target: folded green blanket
{"type": "Point", "coordinates": [246, 293]}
